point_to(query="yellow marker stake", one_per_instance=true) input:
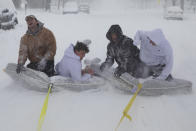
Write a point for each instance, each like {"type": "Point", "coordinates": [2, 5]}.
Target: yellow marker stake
{"type": "Point", "coordinates": [44, 109]}
{"type": "Point", "coordinates": [127, 108]}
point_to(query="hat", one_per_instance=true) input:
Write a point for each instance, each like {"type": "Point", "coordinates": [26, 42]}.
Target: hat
{"type": "Point", "coordinates": [30, 16]}
{"type": "Point", "coordinates": [86, 42]}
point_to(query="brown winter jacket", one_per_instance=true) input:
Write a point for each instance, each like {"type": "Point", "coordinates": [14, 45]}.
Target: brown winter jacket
{"type": "Point", "coordinates": [36, 46]}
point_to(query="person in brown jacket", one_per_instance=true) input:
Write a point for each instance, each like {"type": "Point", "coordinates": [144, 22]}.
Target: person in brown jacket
{"type": "Point", "coordinates": [39, 46]}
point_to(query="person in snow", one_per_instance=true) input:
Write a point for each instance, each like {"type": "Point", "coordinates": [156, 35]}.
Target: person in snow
{"type": "Point", "coordinates": [122, 50]}
{"type": "Point", "coordinates": [156, 52]}
{"type": "Point", "coordinates": [71, 66]}
{"type": "Point", "coordinates": [39, 46]}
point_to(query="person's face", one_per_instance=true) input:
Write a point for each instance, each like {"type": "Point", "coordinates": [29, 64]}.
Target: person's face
{"type": "Point", "coordinates": [81, 54]}
{"type": "Point", "coordinates": [31, 23]}
{"type": "Point", "coordinates": [114, 37]}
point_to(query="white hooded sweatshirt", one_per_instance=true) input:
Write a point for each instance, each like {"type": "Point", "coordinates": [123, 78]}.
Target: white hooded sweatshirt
{"type": "Point", "coordinates": [71, 66]}
{"type": "Point", "coordinates": [161, 53]}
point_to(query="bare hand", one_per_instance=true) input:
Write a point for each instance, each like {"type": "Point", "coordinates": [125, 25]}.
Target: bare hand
{"type": "Point", "coordinates": [88, 70]}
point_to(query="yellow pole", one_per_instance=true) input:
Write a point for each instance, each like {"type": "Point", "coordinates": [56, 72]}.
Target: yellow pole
{"type": "Point", "coordinates": [159, 1]}
{"type": "Point", "coordinates": [44, 109]}
{"type": "Point", "coordinates": [127, 108]}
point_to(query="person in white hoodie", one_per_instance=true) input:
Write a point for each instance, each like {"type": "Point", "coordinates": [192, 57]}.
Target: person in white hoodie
{"type": "Point", "coordinates": [156, 52]}
{"type": "Point", "coordinates": [71, 66]}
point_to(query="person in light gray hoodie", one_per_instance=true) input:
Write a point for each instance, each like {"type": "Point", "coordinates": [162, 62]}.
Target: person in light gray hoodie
{"type": "Point", "coordinates": [155, 52]}
{"type": "Point", "coordinates": [71, 66]}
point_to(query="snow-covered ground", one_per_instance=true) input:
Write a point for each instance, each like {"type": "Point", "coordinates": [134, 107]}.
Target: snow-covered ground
{"type": "Point", "coordinates": [99, 110]}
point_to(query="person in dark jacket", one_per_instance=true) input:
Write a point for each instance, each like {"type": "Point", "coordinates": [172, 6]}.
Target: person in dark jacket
{"type": "Point", "coordinates": [121, 50]}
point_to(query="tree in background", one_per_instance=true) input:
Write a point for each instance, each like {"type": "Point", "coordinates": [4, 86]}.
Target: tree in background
{"type": "Point", "coordinates": [182, 4]}
{"type": "Point", "coordinates": [47, 5]}
{"type": "Point", "coordinates": [17, 3]}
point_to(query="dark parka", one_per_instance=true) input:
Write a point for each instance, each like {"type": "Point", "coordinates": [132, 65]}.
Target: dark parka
{"type": "Point", "coordinates": [122, 51]}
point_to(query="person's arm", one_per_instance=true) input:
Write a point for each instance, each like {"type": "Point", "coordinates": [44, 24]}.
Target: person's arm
{"type": "Point", "coordinates": [76, 73]}
{"type": "Point", "coordinates": [23, 52]}
{"type": "Point", "coordinates": [51, 46]}
{"type": "Point", "coordinates": [87, 70]}
{"type": "Point", "coordinates": [138, 38]}
{"type": "Point", "coordinates": [169, 64]}
{"type": "Point", "coordinates": [109, 61]}
{"type": "Point", "coordinates": [51, 50]}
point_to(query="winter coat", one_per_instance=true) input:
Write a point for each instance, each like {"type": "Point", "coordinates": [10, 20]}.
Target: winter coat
{"type": "Point", "coordinates": [161, 54]}
{"type": "Point", "coordinates": [38, 45]}
{"type": "Point", "coordinates": [123, 51]}
{"type": "Point", "coordinates": [71, 66]}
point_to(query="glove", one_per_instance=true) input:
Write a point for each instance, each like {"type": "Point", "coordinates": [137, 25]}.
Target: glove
{"type": "Point", "coordinates": [42, 64]}
{"type": "Point", "coordinates": [102, 67]}
{"type": "Point", "coordinates": [118, 72]}
{"type": "Point", "coordinates": [19, 68]}
{"type": "Point", "coordinates": [156, 70]}
{"type": "Point", "coordinates": [169, 78]}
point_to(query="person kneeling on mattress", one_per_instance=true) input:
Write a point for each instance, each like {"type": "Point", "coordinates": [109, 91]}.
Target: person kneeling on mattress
{"type": "Point", "coordinates": [71, 65]}
{"type": "Point", "coordinates": [156, 52]}
{"type": "Point", "coordinates": [38, 45]}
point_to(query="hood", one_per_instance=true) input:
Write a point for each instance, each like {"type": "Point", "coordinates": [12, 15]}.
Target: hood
{"type": "Point", "coordinates": [40, 26]}
{"type": "Point", "coordinates": [114, 29]}
{"type": "Point", "coordinates": [156, 36]}
{"type": "Point", "coordinates": [70, 53]}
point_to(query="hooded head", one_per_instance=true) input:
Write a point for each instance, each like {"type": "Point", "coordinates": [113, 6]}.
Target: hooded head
{"type": "Point", "coordinates": [114, 33]}
{"type": "Point", "coordinates": [156, 36]}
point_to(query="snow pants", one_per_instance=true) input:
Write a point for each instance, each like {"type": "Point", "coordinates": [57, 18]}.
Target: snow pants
{"type": "Point", "coordinates": [143, 71]}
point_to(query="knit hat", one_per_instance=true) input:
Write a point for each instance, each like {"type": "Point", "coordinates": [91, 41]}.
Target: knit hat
{"type": "Point", "coordinates": [30, 17]}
